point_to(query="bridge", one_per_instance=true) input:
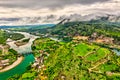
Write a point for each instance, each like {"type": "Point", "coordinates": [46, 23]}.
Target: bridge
{"type": "Point", "coordinates": [27, 53]}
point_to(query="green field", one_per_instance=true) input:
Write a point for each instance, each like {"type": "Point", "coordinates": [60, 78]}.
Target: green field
{"type": "Point", "coordinates": [82, 49]}
{"type": "Point", "coordinates": [98, 54]}
{"type": "Point", "coordinates": [74, 61]}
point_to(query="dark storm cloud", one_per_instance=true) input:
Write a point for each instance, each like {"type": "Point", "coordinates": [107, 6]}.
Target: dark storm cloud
{"type": "Point", "coordinates": [44, 3]}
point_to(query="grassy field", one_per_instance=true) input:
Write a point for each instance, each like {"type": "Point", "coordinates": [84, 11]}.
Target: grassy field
{"type": "Point", "coordinates": [73, 61]}
{"type": "Point", "coordinates": [97, 55]}
{"type": "Point", "coordinates": [82, 49]}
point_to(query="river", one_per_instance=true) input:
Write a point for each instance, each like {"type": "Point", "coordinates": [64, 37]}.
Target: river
{"type": "Point", "coordinates": [25, 48]}
{"type": "Point", "coordinates": [22, 67]}
{"type": "Point", "coordinates": [116, 51]}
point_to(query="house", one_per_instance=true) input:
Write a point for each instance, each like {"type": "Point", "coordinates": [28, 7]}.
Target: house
{"type": "Point", "coordinates": [103, 39]}
{"type": "Point", "coordinates": [80, 38]}
{"type": "Point", "coordinates": [4, 63]}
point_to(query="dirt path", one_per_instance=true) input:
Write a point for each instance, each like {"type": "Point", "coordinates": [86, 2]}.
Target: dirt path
{"type": "Point", "coordinates": [18, 61]}
{"type": "Point", "coordinates": [101, 62]}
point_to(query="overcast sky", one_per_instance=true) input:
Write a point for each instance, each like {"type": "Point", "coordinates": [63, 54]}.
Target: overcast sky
{"type": "Point", "coordinates": [44, 3]}
{"type": "Point", "coordinates": [22, 12]}
{"type": "Point", "coordinates": [35, 8]}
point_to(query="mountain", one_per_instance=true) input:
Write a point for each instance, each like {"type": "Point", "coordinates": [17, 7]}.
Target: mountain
{"type": "Point", "coordinates": [28, 26]}
{"type": "Point", "coordinates": [67, 29]}
{"type": "Point", "coordinates": [102, 17]}
{"type": "Point", "coordinates": [113, 18]}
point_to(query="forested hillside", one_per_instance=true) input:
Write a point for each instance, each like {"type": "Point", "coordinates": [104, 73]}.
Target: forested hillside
{"type": "Point", "coordinates": [68, 30]}
{"type": "Point", "coordinates": [86, 51]}
{"type": "Point", "coordinates": [71, 61]}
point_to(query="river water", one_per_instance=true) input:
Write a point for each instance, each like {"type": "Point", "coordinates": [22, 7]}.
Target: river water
{"type": "Point", "coordinates": [22, 67]}
{"type": "Point", "coordinates": [19, 69]}
{"type": "Point", "coordinates": [25, 48]}
{"type": "Point", "coordinates": [117, 52]}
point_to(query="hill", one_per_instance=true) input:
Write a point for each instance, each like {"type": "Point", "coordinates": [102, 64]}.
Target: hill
{"type": "Point", "coordinates": [71, 61]}
{"type": "Point", "coordinates": [68, 30]}
{"type": "Point", "coordinates": [86, 51]}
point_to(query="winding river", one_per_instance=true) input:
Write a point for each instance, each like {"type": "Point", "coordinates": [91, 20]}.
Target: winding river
{"type": "Point", "coordinates": [27, 60]}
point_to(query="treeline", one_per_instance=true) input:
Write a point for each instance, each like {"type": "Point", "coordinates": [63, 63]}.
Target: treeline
{"type": "Point", "coordinates": [5, 35]}
{"type": "Point", "coordinates": [71, 29]}
{"type": "Point", "coordinates": [15, 36]}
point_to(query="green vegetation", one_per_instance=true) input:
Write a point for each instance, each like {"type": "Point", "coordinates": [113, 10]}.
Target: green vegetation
{"type": "Point", "coordinates": [33, 29]}
{"type": "Point", "coordinates": [46, 44]}
{"type": "Point", "coordinates": [5, 35]}
{"type": "Point", "coordinates": [82, 49]}
{"type": "Point", "coordinates": [85, 28]}
{"type": "Point", "coordinates": [72, 61]}
{"type": "Point", "coordinates": [75, 59]}
{"type": "Point", "coordinates": [26, 40]}
{"type": "Point", "coordinates": [16, 36]}
{"type": "Point", "coordinates": [27, 75]}
{"type": "Point", "coordinates": [65, 62]}
{"type": "Point", "coordinates": [99, 54]}
{"type": "Point", "coordinates": [7, 54]}
{"type": "Point", "coordinates": [10, 55]}
{"type": "Point", "coordinates": [23, 42]}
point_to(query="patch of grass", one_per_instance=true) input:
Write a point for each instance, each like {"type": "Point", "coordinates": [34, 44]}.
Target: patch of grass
{"type": "Point", "coordinates": [28, 75]}
{"type": "Point", "coordinates": [99, 54]}
{"type": "Point", "coordinates": [108, 67]}
{"type": "Point", "coordinates": [16, 36]}
{"type": "Point", "coordinates": [82, 49]}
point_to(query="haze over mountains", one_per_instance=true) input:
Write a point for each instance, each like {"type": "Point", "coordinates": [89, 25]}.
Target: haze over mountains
{"type": "Point", "coordinates": [54, 19]}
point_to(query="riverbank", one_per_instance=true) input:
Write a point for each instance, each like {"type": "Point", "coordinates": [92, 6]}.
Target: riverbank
{"type": "Point", "coordinates": [20, 65]}
{"type": "Point", "coordinates": [17, 62]}
{"type": "Point", "coordinates": [26, 48]}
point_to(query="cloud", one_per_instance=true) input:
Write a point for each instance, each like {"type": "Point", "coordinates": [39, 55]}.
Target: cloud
{"type": "Point", "coordinates": [112, 6]}
{"type": "Point", "coordinates": [44, 3]}
{"type": "Point", "coordinates": [30, 11]}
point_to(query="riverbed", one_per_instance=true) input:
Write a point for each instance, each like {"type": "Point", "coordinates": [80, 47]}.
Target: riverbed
{"type": "Point", "coordinates": [24, 48]}
{"type": "Point", "coordinates": [27, 60]}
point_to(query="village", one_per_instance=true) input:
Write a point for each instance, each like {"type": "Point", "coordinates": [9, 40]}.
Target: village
{"type": "Point", "coordinates": [3, 52]}
{"type": "Point", "coordinates": [95, 38]}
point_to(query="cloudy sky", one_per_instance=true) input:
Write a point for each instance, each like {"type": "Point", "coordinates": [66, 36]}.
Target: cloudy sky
{"type": "Point", "coordinates": [35, 8]}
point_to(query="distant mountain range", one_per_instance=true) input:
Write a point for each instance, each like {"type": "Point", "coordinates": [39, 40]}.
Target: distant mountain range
{"type": "Point", "coordinates": [56, 19]}
{"type": "Point", "coordinates": [28, 26]}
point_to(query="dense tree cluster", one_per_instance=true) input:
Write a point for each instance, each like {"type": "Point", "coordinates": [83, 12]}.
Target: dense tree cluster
{"type": "Point", "coordinates": [85, 28]}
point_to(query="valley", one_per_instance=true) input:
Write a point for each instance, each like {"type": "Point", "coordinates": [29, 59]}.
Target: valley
{"type": "Point", "coordinates": [15, 59]}
{"type": "Point", "coordinates": [87, 50]}
{"type": "Point", "coordinates": [59, 39]}
{"type": "Point", "coordinates": [75, 50]}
